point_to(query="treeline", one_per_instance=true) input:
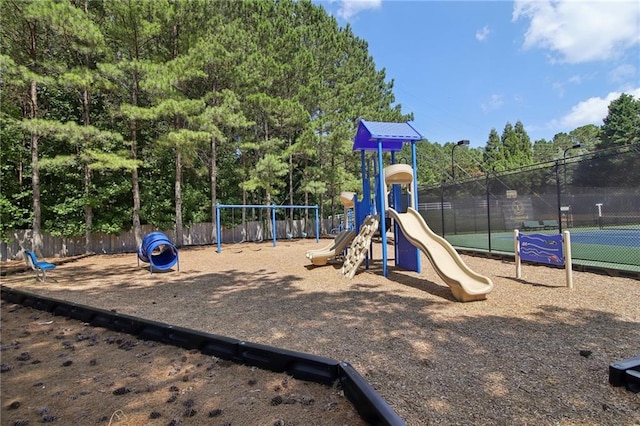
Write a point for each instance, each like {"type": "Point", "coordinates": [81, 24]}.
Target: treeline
{"type": "Point", "coordinates": [118, 113]}
{"type": "Point", "coordinates": [513, 149]}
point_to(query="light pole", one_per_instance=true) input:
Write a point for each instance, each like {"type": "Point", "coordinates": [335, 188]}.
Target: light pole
{"type": "Point", "coordinates": [453, 171]}
{"type": "Point", "coordinates": [564, 165]}
{"type": "Point", "coordinates": [564, 159]}
{"type": "Point", "coordinates": [453, 178]}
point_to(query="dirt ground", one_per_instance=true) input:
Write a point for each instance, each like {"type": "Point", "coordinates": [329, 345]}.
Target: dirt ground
{"type": "Point", "coordinates": [534, 352]}
{"type": "Point", "coordinates": [60, 370]}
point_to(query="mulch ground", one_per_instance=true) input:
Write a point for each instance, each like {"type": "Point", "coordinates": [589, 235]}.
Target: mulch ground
{"type": "Point", "coordinates": [534, 352]}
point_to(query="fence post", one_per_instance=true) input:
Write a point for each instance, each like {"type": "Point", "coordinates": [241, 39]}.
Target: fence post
{"type": "Point", "coordinates": [454, 199]}
{"type": "Point", "coordinates": [558, 196]}
{"type": "Point", "coordinates": [568, 264]}
{"type": "Point", "coordinates": [488, 211]}
{"type": "Point", "coordinates": [442, 205]}
{"type": "Point", "coordinates": [516, 250]}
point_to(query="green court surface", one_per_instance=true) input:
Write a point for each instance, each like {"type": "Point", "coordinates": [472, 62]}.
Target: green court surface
{"type": "Point", "coordinates": [615, 249]}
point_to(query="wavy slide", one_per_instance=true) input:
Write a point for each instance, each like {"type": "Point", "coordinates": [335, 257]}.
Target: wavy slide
{"type": "Point", "coordinates": [321, 256]}
{"type": "Point", "coordinates": [466, 285]}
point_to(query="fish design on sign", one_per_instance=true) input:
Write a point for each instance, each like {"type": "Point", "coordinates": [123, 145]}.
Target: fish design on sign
{"type": "Point", "coordinates": [542, 248]}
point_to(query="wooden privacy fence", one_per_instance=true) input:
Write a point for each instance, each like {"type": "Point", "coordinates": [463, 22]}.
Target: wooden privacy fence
{"type": "Point", "coordinates": [195, 235]}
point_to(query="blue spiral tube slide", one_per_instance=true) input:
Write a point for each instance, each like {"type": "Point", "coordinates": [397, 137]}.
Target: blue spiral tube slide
{"type": "Point", "coordinates": [157, 250]}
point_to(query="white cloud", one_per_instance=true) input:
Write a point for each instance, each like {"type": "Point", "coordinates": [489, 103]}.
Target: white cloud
{"type": "Point", "coordinates": [350, 8]}
{"type": "Point", "coordinates": [591, 111]}
{"type": "Point", "coordinates": [559, 87]}
{"type": "Point", "coordinates": [481, 35]}
{"type": "Point", "coordinates": [580, 31]}
{"type": "Point", "coordinates": [623, 74]}
{"type": "Point", "coordinates": [495, 102]}
{"type": "Point", "coordinates": [575, 79]}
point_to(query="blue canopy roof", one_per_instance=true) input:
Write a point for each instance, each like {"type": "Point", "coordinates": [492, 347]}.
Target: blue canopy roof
{"type": "Point", "coordinates": [392, 135]}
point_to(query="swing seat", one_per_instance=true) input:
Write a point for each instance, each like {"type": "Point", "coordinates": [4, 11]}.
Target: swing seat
{"type": "Point", "coordinates": [39, 267]}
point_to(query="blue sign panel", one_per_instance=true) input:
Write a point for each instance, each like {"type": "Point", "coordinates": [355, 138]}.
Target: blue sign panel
{"type": "Point", "coordinates": [541, 248]}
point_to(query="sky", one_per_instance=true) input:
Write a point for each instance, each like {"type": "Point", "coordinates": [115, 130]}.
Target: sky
{"type": "Point", "coordinates": [466, 67]}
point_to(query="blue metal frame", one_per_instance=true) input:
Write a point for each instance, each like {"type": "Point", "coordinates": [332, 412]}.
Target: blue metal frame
{"type": "Point", "coordinates": [389, 137]}
{"type": "Point", "coordinates": [273, 208]}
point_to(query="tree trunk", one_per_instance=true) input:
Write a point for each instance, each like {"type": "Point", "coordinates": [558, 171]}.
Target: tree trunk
{"type": "Point", "coordinates": [178, 186]}
{"type": "Point", "coordinates": [321, 204]}
{"type": "Point", "coordinates": [244, 213]}
{"type": "Point", "coordinates": [332, 188]}
{"type": "Point", "coordinates": [306, 212]}
{"type": "Point", "coordinates": [135, 187]}
{"type": "Point", "coordinates": [35, 186]}
{"type": "Point", "coordinates": [135, 179]}
{"type": "Point", "coordinates": [88, 211]}
{"type": "Point", "coordinates": [270, 213]}
{"type": "Point", "coordinates": [214, 194]}
{"type": "Point", "coordinates": [178, 195]}
{"type": "Point", "coordinates": [291, 187]}
{"type": "Point", "coordinates": [35, 171]}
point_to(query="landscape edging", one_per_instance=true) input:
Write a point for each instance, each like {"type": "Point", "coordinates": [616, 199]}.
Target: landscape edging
{"type": "Point", "coordinates": [308, 367]}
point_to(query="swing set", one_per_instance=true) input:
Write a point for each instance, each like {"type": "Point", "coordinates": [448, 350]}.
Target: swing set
{"type": "Point", "coordinates": [273, 208]}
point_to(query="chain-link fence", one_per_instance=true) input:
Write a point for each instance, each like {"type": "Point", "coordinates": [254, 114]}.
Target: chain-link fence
{"type": "Point", "coordinates": [594, 196]}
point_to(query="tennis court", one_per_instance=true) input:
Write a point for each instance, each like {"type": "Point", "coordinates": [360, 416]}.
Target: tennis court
{"type": "Point", "coordinates": [616, 249]}
{"type": "Point", "coordinates": [594, 196]}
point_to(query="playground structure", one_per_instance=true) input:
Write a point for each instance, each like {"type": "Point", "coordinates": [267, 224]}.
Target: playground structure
{"type": "Point", "coordinates": [320, 257]}
{"type": "Point", "coordinates": [411, 233]}
{"type": "Point", "coordinates": [357, 252]}
{"type": "Point", "coordinates": [158, 251]}
{"type": "Point", "coordinates": [273, 209]}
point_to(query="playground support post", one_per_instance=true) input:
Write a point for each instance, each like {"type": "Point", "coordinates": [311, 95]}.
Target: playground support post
{"type": "Point", "coordinates": [383, 225]}
{"type": "Point", "coordinates": [414, 166]}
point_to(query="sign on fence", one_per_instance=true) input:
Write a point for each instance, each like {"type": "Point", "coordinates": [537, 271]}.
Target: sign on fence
{"type": "Point", "coordinates": [541, 248]}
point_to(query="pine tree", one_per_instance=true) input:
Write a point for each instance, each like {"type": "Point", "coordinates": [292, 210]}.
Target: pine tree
{"type": "Point", "coordinates": [622, 123]}
{"type": "Point", "coordinates": [130, 30]}
{"type": "Point", "coordinates": [493, 156]}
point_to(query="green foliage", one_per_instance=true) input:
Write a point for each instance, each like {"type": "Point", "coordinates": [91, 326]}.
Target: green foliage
{"type": "Point", "coordinates": [622, 123]}
{"type": "Point", "coordinates": [544, 150]}
{"type": "Point", "coordinates": [192, 101]}
{"type": "Point", "coordinates": [493, 156]}
{"type": "Point", "coordinates": [12, 213]}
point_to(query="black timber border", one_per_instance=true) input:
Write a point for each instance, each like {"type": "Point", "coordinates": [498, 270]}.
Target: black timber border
{"type": "Point", "coordinates": [626, 373]}
{"type": "Point", "coordinates": [370, 406]}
